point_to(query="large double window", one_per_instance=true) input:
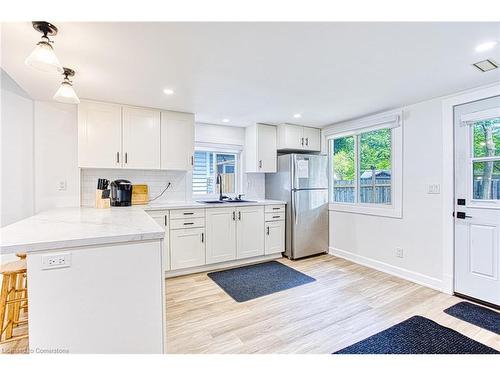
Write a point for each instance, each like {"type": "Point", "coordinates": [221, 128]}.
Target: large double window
{"type": "Point", "coordinates": [209, 163]}
{"type": "Point", "coordinates": [366, 162]}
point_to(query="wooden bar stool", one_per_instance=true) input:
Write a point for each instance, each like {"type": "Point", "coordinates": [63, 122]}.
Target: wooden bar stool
{"type": "Point", "coordinates": [13, 298]}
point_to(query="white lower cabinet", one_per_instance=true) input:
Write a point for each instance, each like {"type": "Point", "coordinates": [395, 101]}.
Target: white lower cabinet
{"type": "Point", "coordinates": [162, 219]}
{"type": "Point", "coordinates": [187, 248]}
{"type": "Point", "coordinates": [275, 237]}
{"type": "Point", "coordinates": [250, 232]}
{"type": "Point", "coordinates": [221, 234]}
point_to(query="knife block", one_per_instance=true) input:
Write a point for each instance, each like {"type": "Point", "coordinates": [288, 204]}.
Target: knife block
{"type": "Point", "coordinates": [101, 202]}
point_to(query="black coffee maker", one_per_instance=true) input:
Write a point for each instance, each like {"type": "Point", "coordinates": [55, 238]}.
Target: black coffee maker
{"type": "Point", "coordinates": [121, 193]}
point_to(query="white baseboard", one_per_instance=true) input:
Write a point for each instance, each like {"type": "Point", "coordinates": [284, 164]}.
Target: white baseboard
{"type": "Point", "coordinates": [403, 273]}
{"type": "Point", "coordinates": [218, 266]}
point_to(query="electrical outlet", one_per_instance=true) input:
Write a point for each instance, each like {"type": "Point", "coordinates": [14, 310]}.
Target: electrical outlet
{"type": "Point", "coordinates": [433, 189]}
{"type": "Point", "coordinates": [399, 252]}
{"type": "Point", "coordinates": [51, 261]}
{"type": "Point", "coordinates": [62, 186]}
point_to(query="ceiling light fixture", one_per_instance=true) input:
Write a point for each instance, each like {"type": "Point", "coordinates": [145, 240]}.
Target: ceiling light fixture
{"type": "Point", "coordinates": [486, 46]}
{"type": "Point", "coordinates": [297, 115]}
{"type": "Point", "coordinates": [66, 93]}
{"type": "Point", "coordinates": [168, 91]}
{"type": "Point", "coordinates": [43, 57]}
{"type": "Point", "coordinates": [225, 120]}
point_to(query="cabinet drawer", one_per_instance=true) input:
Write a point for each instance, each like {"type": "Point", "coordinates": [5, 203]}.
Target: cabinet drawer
{"type": "Point", "coordinates": [190, 222]}
{"type": "Point", "coordinates": [184, 214]}
{"type": "Point", "coordinates": [274, 216]}
{"type": "Point", "coordinates": [275, 208]}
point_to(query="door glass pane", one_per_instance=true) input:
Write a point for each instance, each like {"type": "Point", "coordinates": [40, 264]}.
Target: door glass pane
{"type": "Point", "coordinates": [486, 180]}
{"type": "Point", "coordinates": [343, 169]}
{"type": "Point", "coordinates": [487, 138]}
{"type": "Point", "coordinates": [375, 175]}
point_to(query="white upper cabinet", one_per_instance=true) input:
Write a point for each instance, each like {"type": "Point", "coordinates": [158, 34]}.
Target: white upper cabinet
{"type": "Point", "coordinates": [177, 141]}
{"type": "Point", "coordinates": [119, 136]}
{"type": "Point", "coordinates": [260, 148]}
{"type": "Point", "coordinates": [99, 135]}
{"type": "Point", "coordinates": [300, 138]}
{"type": "Point", "coordinates": [141, 138]}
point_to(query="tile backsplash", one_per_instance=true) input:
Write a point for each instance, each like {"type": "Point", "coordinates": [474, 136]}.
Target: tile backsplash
{"type": "Point", "coordinates": [180, 190]}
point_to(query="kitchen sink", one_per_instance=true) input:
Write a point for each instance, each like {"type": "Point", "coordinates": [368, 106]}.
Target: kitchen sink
{"type": "Point", "coordinates": [227, 201]}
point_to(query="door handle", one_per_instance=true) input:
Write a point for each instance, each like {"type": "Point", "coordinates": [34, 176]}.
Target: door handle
{"type": "Point", "coordinates": [188, 223]}
{"type": "Point", "coordinates": [118, 158]}
{"type": "Point", "coordinates": [307, 141]}
{"type": "Point", "coordinates": [234, 215]}
{"type": "Point", "coordinates": [302, 141]}
{"type": "Point", "coordinates": [239, 215]}
{"type": "Point", "coordinates": [268, 231]}
{"type": "Point", "coordinates": [260, 164]}
{"type": "Point", "coordinates": [126, 157]}
{"type": "Point", "coordinates": [202, 237]}
{"type": "Point", "coordinates": [165, 221]}
{"type": "Point", "coordinates": [192, 160]}
{"type": "Point", "coordinates": [462, 215]}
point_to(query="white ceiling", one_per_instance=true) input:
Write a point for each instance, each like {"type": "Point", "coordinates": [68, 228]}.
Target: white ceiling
{"type": "Point", "coordinates": [259, 72]}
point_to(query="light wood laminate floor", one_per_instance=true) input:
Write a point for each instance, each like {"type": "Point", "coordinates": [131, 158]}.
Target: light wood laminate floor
{"type": "Point", "coordinates": [347, 303]}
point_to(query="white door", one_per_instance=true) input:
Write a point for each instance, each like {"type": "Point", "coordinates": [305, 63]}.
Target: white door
{"type": "Point", "coordinates": [311, 139]}
{"type": "Point", "coordinates": [221, 234]}
{"type": "Point", "coordinates": [266, 148]}
{"type": "Point", "coordinates": [177, 141]}
{"type": "Point", "coordinates": [99, 135]}
{"type": "Point", "coordinates": [275, 237]}
{"type": "Point", "coordinates": [141, 138]}
{"type": "Point", "coordinates": [477, 200]}
{"type": "Point", "coordinates": [162, 220]}
{"type": "Point", "coordinates": [250, 231]}
{"type": "Point", "coordinates": [187, 248]}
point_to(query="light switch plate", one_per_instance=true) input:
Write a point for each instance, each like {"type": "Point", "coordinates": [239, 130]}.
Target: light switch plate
{"type": "Point", "coordinates": [59, 260]}
{"type": "Point", "coordinates": [434, 189]}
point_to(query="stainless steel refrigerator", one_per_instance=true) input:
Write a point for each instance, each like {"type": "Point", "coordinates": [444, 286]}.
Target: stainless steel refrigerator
{"type": "Point", "coordinates": [302, 182]}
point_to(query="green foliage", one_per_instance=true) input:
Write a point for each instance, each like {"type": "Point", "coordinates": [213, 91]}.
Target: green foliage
{"type": "Point", "coordinates": [487, 137]}
{"type": "Point", "coordinates": [375, 151]}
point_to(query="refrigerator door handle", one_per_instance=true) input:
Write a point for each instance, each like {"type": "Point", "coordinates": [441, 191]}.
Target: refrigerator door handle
{"type": "Point", "coordinates": [294, 206]}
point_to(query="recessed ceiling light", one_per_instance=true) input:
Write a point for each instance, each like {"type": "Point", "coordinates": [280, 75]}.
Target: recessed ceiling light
{"type": "Point", "coordinates": [486, 46]}
{"type": "Point", "coordinates": [486, 65]}
{"type": "Point", "coordinates": [168, 91]}
{"type": "Point", "coordinates": [297, 115]}
{"type": "Point", "coordinates": [225, 120]}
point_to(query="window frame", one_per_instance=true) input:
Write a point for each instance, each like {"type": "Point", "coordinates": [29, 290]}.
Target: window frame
{"type": "Point", "coordinates": [220, 149]}
{"type": "Point", "coordinates": [393, 121]}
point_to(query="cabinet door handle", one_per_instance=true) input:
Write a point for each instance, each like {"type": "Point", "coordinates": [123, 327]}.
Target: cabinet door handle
{"type": "Point", "coordinates": [276, 217]}
{"type": "Point", "coordinates": [307, 141]}
{"type": "Point", "coordinates": [302, 141]}
{"type": "Point", "coordinates": [126, 157]}
{"type": "Point", "coordinates": [268, 231]}
{"type": "Point", "coordinates": [117, 157]}
{"type": "Point", "coordinates": [192, 160]}
{"type": "Point", "coordinates": [239, 215]}
{"type": "Point", "coordinates": [188, 223]}
{"type": "Point", "coordinates": [165, 221]}
{"type": "Point", "coordinates": [202, 237]}
{"type": "Point", "coordinates": [234, 215]}
{"type": "Point", "coordinates": [260, 164]}
{"type": "Point", "coordinates": [276, 208]}
{"type": "Point", "coordinates": [188, 213]}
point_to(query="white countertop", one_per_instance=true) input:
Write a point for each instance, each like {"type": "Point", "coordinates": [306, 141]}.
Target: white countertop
{"type": "Point", "coordinates": [78, 226]}
{"type": "Point", "coordinates": [184, 205]}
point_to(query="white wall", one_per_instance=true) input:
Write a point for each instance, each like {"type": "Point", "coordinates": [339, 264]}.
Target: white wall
{"type": "Point", "coordinates": [16, 152]}
{"type": "Point", "coordinates": [373, 239]}
{"type": "Point", "coordinates": [56, 155]}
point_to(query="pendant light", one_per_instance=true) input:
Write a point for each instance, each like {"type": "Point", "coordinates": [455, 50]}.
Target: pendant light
{"type": "Point", "coordinates": [66, 93]}
{"type": "Point", "coordinates": [43, 57]}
